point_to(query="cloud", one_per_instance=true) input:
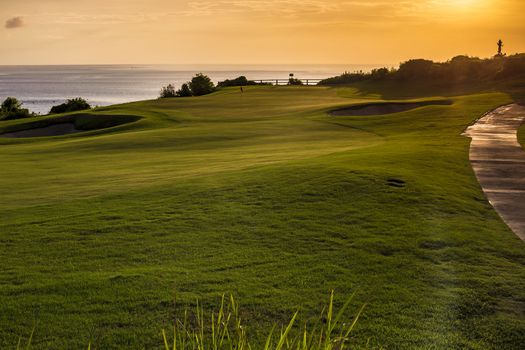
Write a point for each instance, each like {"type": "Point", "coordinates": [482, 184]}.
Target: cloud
{"type": "Point", "coordinates": [15, 22]}
{"type": "Point", "coordinates": [353, 9]}
{"type": "Point", "coordinates": [282, 7]}
{"type": "Point", "coordinates": [102, 19]}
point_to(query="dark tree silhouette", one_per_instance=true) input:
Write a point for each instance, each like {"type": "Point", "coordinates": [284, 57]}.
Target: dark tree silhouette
{"type": "Point", "coordinates": [201, 85]}
{"type": "Point", "coordinates": [71, 105]}
{"type": "Point", "coordinates": [168, 91]}
{"type": "Point", "coordinates": [11, 108]}
{"type": "Point", "coordinates": [10, 104]}
{"type": "Point", "coordinates": [460, 69]}
{"type": "Point", "coordinates": [184, 91]}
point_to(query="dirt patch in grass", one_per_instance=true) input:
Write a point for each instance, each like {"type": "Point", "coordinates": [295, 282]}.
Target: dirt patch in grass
{"type": "Point", "coordinates": [384, 108]}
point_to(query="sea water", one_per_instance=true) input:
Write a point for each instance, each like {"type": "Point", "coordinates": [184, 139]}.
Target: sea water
{"type": "Point", "coordinates": [41, 87]}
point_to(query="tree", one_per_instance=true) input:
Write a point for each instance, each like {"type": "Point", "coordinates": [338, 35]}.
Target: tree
{"type": "Point", "coordinates": [240, 81]}
{"type": "Point", "coordinates": [184, 91]}
{"type": "Point", "coordinates": [71, 105]}
{"type": "Point", "coordinates": [10, 104]}
{"type": "Point", "coordinates": [11, 108]}
{"type": "Point", "coordinates": [201, 85]}
{"type": "Point", "coordinates": [415, 69]}
{"type": "Point", "coordinates": [168, 91]}
{"type": "Point", "coordinates": [294, 81]}
{"type": "Point", "coordinates": [379, 73]}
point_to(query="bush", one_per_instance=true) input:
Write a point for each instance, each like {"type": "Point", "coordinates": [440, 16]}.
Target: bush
{"type": "Point", "coordinates": [201, 85]}
{"type": "Point", "coordinates": [240, 81]}
{"type": "Point", "coordinates": [379, 74]}
{"type": "Point", "coordinates": [184, 91]}
{"type": "Point", "coordinates": [167, 91]}
{"type": "Point", "coordinates": [415, 69]}
{"type": "Point", "coordinates": [198, 86]}
{"type": "Point", "coordinates": [10, 104]}
{"type": "Point", "coordinates": [71, 105]}
{"type": "Point", "coordinates": [513, 66]}
{"type": "Point", "coordinates": [294, 81]}
{"type": "Point", "coordinates": [11, 108]}
{"type": "Point", "coordinates": [345, 78]}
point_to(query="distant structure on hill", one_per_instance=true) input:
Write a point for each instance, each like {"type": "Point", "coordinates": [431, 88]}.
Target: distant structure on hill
{"type": "Point", "coordinates": [500, 47]}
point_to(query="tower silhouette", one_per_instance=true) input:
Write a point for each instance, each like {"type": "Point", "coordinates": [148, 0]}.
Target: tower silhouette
{"type": "Point", "coordinates": [500, 46]}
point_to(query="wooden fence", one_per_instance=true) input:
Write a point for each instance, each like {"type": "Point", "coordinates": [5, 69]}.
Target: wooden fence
{"type": "Point", "coordinates": [286, 81]}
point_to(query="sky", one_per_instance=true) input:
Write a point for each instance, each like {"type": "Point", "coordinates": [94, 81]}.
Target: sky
{"type": "Point", "coordinates": [255, 31]}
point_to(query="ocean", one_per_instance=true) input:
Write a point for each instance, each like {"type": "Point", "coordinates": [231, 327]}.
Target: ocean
{"type": "Point", "coordinates": [41, 87]}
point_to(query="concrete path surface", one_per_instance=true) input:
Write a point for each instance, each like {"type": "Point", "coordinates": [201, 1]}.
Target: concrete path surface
{"type": "Point", "coordinates": [499, 163]}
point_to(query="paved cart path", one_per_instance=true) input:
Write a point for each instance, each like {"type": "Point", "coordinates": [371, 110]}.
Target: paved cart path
{"type": "Point", "coordinates": [499, 163]}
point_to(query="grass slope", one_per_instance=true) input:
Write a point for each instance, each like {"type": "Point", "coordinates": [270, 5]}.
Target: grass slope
{"type": "Point", "coordinates": [264, 195]}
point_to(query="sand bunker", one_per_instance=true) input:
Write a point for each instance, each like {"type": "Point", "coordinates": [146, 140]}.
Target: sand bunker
{"type": "Point", "coordinates": [384, 108]}
{"type": "Point", "coordinates": [52, 130]}
{"type": "Point", "coordinates": [66, 125]}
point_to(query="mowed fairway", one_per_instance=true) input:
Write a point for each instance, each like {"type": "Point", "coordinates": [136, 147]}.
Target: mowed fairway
{"type": "Point", "coordinates": [266, 196]}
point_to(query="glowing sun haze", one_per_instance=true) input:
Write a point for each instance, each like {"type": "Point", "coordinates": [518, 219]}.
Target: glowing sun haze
{"type": "Point", "coordinates": [255, 31]}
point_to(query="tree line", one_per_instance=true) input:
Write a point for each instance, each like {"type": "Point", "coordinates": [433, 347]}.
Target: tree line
{"type": "Point", "coordinates": [12, 108]}
{"type": "Point", "coordinates": [460, 69]}
{"type": "Point", "coordinates": [201, 85]}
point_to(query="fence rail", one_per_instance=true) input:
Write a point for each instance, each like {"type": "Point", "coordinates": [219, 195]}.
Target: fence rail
{"type": "Point", "coordinates": [286, 81]}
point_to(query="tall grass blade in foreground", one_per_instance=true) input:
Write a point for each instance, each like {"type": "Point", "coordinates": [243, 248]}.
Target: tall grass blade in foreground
{"type": "Point", "coordinates": [224, 330]}
{"type": "Point", "coordinates": [29, 341]}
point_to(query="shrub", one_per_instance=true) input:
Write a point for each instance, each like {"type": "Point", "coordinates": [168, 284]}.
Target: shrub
{"type": "Point", "coordinates": [415, 69]}
{"type": "Point", "coordinates": [10, 104]}
{"type": "Point", "coordinates": [240, 81]}
{"type": "Point", "coordinates": [184, 91]}
{"type": "Point", "coordinates": [294, 81]}
{"type": "Point", "coordinates": [198, 86]}
{"type": "Point", "coordinates": [18, 114]}
{"type": "Point", "coordinates": [513, 66]}
{"type": "Point", "coordinates": [201, 85]}
{"type": "Point", "coordinates": [71, 105]}
{"type": "Point", "coordinates": [345, 78]}
{"type": "Point", "coordinates": [379, 74]}
{"type": "Point", "coordinates": [168, 91]}
{"type": "Point", "coordinates": [11, 108]}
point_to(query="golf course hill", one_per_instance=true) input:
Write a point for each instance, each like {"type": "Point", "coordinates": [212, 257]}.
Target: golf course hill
{"type": "Point", "coordinates": [117, 218]}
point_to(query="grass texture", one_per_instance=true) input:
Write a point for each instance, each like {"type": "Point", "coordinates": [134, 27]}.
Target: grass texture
{"type": "Point", "coordinates": [265, 196]}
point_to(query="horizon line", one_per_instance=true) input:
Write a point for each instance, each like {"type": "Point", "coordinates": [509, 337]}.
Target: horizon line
{"type": "Point", "coordinates": [191, 64]}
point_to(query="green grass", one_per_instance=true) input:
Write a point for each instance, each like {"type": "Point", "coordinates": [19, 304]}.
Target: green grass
{"type": "Point", "coordinates": [107, 236]}
{"type": "Point", "coordinates": [224, 329]}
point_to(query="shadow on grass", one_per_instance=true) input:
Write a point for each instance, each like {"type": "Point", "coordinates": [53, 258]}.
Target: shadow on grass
{"type": "Point", "coordinates": [395, 90]}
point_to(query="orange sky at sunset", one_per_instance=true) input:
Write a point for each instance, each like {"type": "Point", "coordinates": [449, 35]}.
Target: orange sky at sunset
{"type": "Point", "coordinates": [255, 31]}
